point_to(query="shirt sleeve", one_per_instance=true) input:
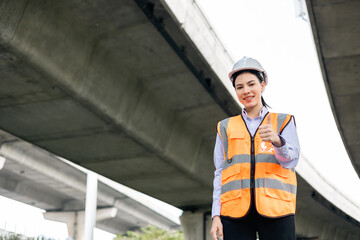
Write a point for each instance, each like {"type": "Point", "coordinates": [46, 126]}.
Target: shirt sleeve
{"type": "Point", "coordinates": [288, 154]}
{"type": "Point", "coordinates": [218, 161]}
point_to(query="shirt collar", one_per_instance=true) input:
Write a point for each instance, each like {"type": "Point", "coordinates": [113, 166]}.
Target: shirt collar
{"type": "Point", "coordinates": [262, 113]}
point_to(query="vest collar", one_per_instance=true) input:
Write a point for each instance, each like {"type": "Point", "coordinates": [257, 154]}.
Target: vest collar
{"type": "Point", "coordinates": [262, 113]}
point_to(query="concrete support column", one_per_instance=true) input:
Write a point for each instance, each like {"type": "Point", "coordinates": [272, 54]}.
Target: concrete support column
{"type": "Point", "coordinates": [91, 204]}
{"type": "Point", "coordinates": [196, 225]}
{"type": "Point", "coordinates": [75, 220]}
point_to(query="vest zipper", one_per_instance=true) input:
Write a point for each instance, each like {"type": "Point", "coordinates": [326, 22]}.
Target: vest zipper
{"type": "Point", "coordinates": [252, 176]}
{"type": "Point", "coordinates": [252, 166]}
{"type": "Point", "coordinates": [252, 163]}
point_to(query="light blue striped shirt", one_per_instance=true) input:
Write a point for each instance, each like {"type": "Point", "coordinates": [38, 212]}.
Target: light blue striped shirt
{"type": "Point", "coordinates": [287, 155]}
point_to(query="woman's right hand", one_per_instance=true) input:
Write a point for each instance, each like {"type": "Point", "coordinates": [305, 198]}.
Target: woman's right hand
{"type": "Point", "coordinates": [217, 227]}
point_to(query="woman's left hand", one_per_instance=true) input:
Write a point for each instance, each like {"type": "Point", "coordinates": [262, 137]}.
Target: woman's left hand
{"type": "Point", "coordinates": [268, 134]}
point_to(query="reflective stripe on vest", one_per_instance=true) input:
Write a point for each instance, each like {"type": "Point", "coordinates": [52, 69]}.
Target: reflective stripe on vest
{"type": "Point", "coordinates": [275, 186]}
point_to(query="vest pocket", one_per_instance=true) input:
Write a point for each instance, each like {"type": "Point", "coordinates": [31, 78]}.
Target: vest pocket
{"type": "Point", "coordinates": [235, 134]}
{"type": "Point", "coordinates": [272, 168]}
{"type": "Point", "coordinates": [236, 140]}
{"type": "Point", "coordinates": [232, 191]}
{"type": "Point", "coordinates": [278, 194]}
{"type": "Point", "coordinates": [274, 187]}
{"type": "Point", "coordinates": [230, 183]}
{"type": "Point", "coordinates": [229, 172]}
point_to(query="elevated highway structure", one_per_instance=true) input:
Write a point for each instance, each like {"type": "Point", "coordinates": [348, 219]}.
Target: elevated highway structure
{"type": "Point", "coordinates": [133, 90]}
{"type": "Point", "coordinates": [336, 30]}
{"type": "Point", "coordinates": [38, 178]}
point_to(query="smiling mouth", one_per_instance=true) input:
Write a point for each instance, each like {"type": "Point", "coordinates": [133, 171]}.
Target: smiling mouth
{"type": "Point", "coordinates": [248, 98]}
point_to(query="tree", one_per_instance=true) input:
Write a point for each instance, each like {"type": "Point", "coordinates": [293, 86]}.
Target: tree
{"type": "Point", "coordinates": [12, 236]}
{"type": "Point", "coordinates": [151, 233]}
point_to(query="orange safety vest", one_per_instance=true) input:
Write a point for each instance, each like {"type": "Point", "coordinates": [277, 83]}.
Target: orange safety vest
{"type": "Point", "coordinates": [251, 163]}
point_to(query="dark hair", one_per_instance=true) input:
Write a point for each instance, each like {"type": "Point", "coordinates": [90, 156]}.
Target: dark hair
{"type": "Point", "coordinates": [258, 74]}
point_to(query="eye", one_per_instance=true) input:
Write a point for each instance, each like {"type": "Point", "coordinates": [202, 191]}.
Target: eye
{"type": "Point", "coordinates": [238, 87]}
{"type": "Point", "coordinates": [251, 84]}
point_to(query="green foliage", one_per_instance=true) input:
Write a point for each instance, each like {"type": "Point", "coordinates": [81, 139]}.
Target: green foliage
{"type": "Point", "coordinates": [151, 233]}
{"type": "Point", "coordinates": [13, 237]}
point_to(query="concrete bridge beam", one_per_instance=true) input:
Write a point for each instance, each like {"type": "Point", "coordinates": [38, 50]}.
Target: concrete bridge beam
{"type": "Point", "coordinates": [104, 85]}
{"type": "Point", "coordinates": [36, 177]}
{"type": "Point", "coordinates": [196, 225]}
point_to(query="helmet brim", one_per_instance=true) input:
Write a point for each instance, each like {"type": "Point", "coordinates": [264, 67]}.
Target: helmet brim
{"type": "Point", "coordinates": [248, 68]}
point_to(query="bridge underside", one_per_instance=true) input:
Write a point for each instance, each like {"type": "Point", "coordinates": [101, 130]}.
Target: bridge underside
{"type": "Point", "coordinates": [115, 87]}
{"type": "Point", "coordinates": [336, 29]}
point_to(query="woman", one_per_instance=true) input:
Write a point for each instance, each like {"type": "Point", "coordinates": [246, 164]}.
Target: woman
{"type": "Point", "coordinates": [255, 155]}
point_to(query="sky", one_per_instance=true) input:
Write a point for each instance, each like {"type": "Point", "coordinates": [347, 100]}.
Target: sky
{"type": "Point", "coordinates": [270, 32]}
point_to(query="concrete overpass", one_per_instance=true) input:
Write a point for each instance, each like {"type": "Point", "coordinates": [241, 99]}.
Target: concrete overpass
{"type": "Point", "coordinates": [38, 178]}
{"type": "Point", "coordinates": [336, 30]}
{"type": "Point", "coordinates": [133, 90]}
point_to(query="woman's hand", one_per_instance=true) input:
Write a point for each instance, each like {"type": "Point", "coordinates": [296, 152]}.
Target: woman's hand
{"type": "Point", "coordinates": [217, 227]}
{"type": "Point", "coordinates": [268, 134]}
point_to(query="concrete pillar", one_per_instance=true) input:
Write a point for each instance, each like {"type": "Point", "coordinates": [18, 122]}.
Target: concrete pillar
{"type": "Point", "coordinates": [91, 204]}
{"type": "Point", "coordinates": [2, 161]}
{"type": "Point", "coordinates": [196, 225]}
{"type": "Point", "coordinates": [340, 234]}
{"type": "Point", "coordinates": [75, 220]}
{"type": "Point", "coordinates": [328, 231]}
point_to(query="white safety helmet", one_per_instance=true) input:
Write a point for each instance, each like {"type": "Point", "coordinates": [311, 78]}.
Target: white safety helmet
{"type": "Point", "coordinates": [247, 63]}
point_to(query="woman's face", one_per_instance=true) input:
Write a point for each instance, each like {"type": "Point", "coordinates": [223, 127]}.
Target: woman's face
{"type": "Point", "coordinates": [248, 90]}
